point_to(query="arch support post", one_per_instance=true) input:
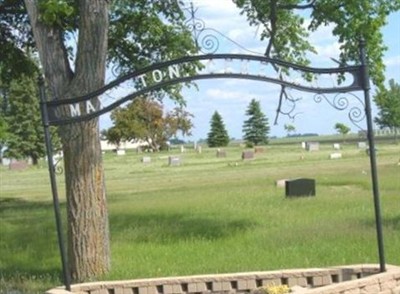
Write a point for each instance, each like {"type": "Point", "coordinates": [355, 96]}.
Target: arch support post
{"type": "Point", "coordinates": [372, 154]}
{"type": "Point", "coordinates": [53, 183]}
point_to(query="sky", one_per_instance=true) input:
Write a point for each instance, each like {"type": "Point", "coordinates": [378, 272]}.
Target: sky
{"type": "Point", "coordinates": [231, 97]}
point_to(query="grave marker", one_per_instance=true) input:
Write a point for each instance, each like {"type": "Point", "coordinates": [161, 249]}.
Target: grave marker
{"type": "Point", "coordinates": [121, 152]}
{"type": "Point", "coordinates": [146, 159]}
{"type": "Point", "coordinates": [281, 183]}
{"type": "Point", "coordinates": [18, 165]}
{"type": "Point", "coordinates": [335, 155]}
{"type": "Point", "coordinates": [300, 187]}
{"type": "Point", "coordinates": [248, 154]}
{"type": "Point", "coordinates": [362, 145]}
{"type": "Point", "coordinates": [174, 161]}
{"type": "Point", "coordinates": [312, 146]}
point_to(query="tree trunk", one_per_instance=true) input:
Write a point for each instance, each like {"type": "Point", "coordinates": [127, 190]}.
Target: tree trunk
{"type": "Point", "coordinates": [88, 232]}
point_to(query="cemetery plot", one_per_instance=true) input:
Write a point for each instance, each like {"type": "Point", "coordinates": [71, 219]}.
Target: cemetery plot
{"type": "Point", "coordinates": [300, 187]}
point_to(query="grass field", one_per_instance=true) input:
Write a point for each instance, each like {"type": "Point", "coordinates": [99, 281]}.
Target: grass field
{"type": "Point", "coordinates": [210, 215]}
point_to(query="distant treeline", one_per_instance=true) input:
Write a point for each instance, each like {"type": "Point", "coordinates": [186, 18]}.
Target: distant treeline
{"type": "Point", "coordinates": [302, 135]}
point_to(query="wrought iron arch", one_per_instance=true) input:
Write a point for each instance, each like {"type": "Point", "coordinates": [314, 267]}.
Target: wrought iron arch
{"type": "Point", "coordinates": [157, 76]}
{"type": "Point", "coordinates": [69, 110]}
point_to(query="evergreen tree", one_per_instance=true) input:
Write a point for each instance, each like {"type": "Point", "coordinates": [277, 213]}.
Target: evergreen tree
{"type": "Point", "coordinates": [256, 128]}
{"type": "Point", "coordinates": [26, 137]}
{"type": "Point", "coordinates": [218, 135]}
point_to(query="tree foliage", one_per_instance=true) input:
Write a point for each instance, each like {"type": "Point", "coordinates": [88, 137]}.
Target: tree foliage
{"type": "Point", "coordinates": [144, 119]}
{"type": "Point", "coordinates": [76, 41]}
{"type": "Point", "coordinates": [342, 128]}
{"type": "Point", "coordinates": [284, 28]}
{"type": "Point", "coordinates": [24, 124]}
{"type": "Point", "coordinates": [218, 135]}
{"type": "Point", "coordinates": [16, 42]}
{"type": "Point", "coordinates": [256, 127]}
{"type": "Point", "coordinates": [289, 128]}
{"type": "Point", "coordinates": [388, 102]}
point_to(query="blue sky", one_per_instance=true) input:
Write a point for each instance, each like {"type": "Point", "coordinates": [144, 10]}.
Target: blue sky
{"type": "Point", "coordinates": [231, 97]}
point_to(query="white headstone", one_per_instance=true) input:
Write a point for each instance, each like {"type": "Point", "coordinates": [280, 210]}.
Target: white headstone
{"type": "Point", "coordinates": [281, 183]}
{"type": "Point", "coordinates": [303, 145]}
{"type": "Point", "coordinates": [362, 145]}
{"type": "Point", "coordinates": [146, 159]}
{"type": "Point", "coordinates": [121, 152]}
{"type": "Point", "coordinates": [336, 155]}
{"type": "Point", "coordinates": [336, 146]}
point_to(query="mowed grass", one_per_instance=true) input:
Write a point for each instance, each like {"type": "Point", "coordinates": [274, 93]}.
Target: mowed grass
{"type": "Point", "coordinates": [210, 215]}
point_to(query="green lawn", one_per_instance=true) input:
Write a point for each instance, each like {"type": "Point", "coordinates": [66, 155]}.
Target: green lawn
{"type": "Point", "coordinates": [210, 215]}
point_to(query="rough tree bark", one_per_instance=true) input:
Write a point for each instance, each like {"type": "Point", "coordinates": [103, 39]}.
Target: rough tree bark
{"type": "Point", "coordinates": [88, 232]}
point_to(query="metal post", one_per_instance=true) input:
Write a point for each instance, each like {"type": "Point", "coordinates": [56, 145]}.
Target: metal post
{"type": "Point", "coordinates": [56, 202]}
{"type": "Point", "coordinates": [372, 154]}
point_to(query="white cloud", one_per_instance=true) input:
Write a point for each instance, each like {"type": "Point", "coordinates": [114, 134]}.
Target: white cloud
{"type": "Point", "coordinates": [214, 7]}
{"type": "Point", "coordinates": [327, 51]}
{"type": "Point", "coordinates": [223, 94]}
{"type": "Point", "coordinates": [324, 34]}
{"type": "Point", "coordinates": [392, 61]}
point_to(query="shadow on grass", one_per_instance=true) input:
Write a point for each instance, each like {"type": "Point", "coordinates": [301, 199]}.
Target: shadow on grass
{"type": "Point", "coordinates": [391, 222]}
{"type": "Point", "coordinates": [7, 203]}
{"type": "Point", "coordinates": [174, 227]}
{"type": "Point", "coordinates": [28, 244]}
{"type": "Point", "coordinates": [29, 254]}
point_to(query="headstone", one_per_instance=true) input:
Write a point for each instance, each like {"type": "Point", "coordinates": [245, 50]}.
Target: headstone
{"type": "Point", "coordinates": [312, 146]}
{"type": "Point", "coordinates": [281, 183]}
{"type": "Point", "coordinates": [174, 160]}
{"type": "Point", "coordinates": [248, 154]}
{"type": "Point", "coordinates": [6, 161]}
{"type": "Point", "coordinates": [362, 145]}
{"type": "Point", "coordinates": [18, 165]}
{"type": "Point", "coordinates": [121, 152]}
{"type": "Point", "coordinates": [335, 155]}
{"type": "Point", "coordinates": [300, 187]}
{"type": "Point", "coordinates": [198, 149]}
{"type": "Point", "coordinates": [146, 159]}
{"type": "Point", "coordinates": [221, 153]}
{"type": "Point", "coordinates": [336, 146]}
{"type": "Point", "coordinates": [182, 148]}
{"type": "Point", "coordinates": [303, 145]}
{"type": "Point", "coordinates": [258, 149]}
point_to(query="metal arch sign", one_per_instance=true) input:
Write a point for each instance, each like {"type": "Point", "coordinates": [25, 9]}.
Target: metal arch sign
{"type": "Point", "coordinates": [237, 66]}
{"type": "Point", "coordinates": [320, 81]}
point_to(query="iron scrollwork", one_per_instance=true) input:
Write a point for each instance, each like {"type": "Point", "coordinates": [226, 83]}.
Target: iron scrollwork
{"type": "Point", "coordinates": [58, 169]}
{"type": "Point", "coordinates": [206, 39]}
{"type": "Point", "coordinates": [341, 102]}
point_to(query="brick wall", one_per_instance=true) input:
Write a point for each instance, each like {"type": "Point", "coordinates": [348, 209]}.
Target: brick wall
{"type": "Point", "coordinates": [354, 279]}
